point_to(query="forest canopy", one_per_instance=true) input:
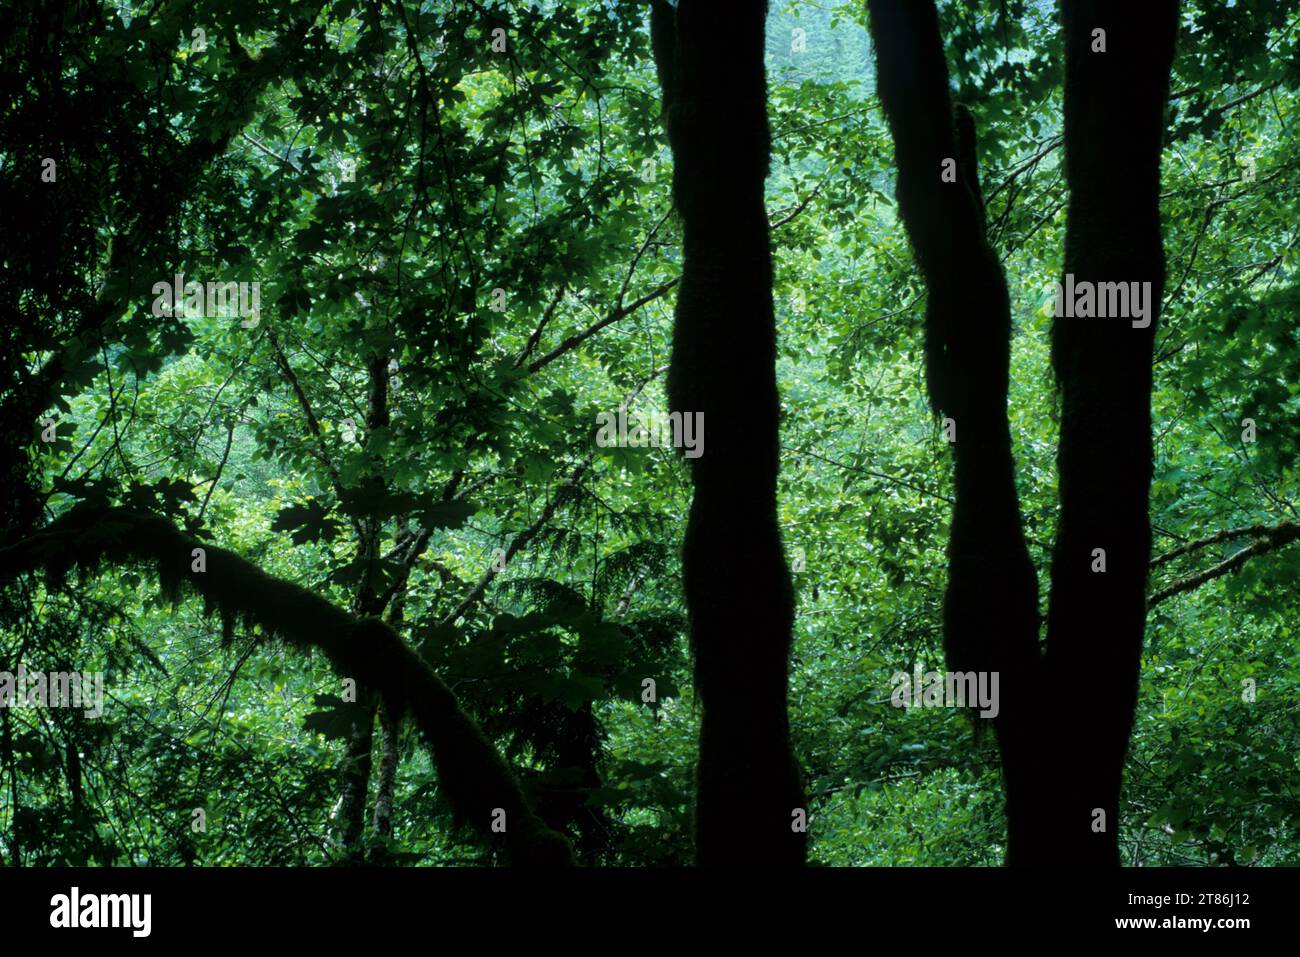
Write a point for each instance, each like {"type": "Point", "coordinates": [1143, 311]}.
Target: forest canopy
{"type": "Point", "coordinates": [463, 432]}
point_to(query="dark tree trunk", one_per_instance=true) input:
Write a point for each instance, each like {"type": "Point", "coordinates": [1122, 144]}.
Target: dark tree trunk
{"type": "Point", "coordinates": [990, 614]}
{"type": "Point", "coordinates": [572, 754]}
{"type": "Point", "coordinates": [356, 769]}
{"type": "Point", "coordinates": [1114, 122]}
{"type": "Point", "coordinates": [738, 592]}
{"type": "Point", "coordinates": [389, 758]}
{"type": "Point", "coordinates": [358, 762]}
{"type": "Point", "coordinates": [1065, 717]}
{"type": "Point", "coordinates": [390, 755]}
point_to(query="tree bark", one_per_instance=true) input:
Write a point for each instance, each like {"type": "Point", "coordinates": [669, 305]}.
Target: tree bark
{"type": "Point", "coordinates": [358, 762]}
{"type": "Point", "coordinates": [1114, 128]}
{"type": "Point", "coordinates": [1065, 715]}
{"type": "Point", "coordinates": [390, 754]}
{"type": "Point", "coordinates": [990, 611]}
{"type": "Point", "coordinates": [475, 778]}
{"type": "Point", "coordinates": [1268, 538]}
{"type": "Point", "coordinates": [737, 585]}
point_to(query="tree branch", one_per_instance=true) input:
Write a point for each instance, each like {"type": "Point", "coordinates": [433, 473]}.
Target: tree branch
{"type": "Point", "coordinates": [621, 311]}
{"type": "Point", "coordinates": [612, 317]}
{"type": "Point", "coordinates": [1226, 535]}
{"type": "Point", "coordinates": [321, 454]}
{"type": "Point", "coordinates": [529, 533]}
{"type": "Point", "coordinates": [475, 778]}
{"type": "Point", "coordinates": [1269, 538]}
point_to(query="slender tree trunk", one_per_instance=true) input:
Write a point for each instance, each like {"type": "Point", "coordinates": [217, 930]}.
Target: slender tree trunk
{"type": "Point", "coordinates": [750, 800]}
{"type": "Point", "coordinates": [358, 763]}
{"type": "Point", "coordinates": [1115, 101]}
{"type": "Point", "coordinates": [389, 753]}
{"type": "Point", "coordinates": [991, 605]}
{"type": "Point", "coordinates": [389, 756]}
{"type": "Point", "coordinates": [357, 760]}
{"type": "Point", "coordinates": [7, 752]}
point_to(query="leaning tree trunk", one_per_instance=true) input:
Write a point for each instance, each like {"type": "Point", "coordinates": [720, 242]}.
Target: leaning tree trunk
{"type": "Point", "coordinates": [749, 803]}
{"type": "Point", "coordinates": [990, 614]}
{"type": "Point", "coordinates": [1118, 59]}
{"type": "Point", "coordinates": [477, 782]}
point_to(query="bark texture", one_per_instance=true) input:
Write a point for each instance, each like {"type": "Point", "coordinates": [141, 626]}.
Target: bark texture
{"type": "Point", "coordinates": [1114, 127]}
{"type": "Point", "coordinates": [737, 585]}
{"type": "Point", "coordinates": [1065, 712]}
{"type": "Point", "coordinates": [990, 612]}
{"type": "Point", "coordinates": [474, 777]}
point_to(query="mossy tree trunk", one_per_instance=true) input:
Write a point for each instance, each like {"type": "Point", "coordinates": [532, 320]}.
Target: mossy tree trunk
{"type": "Point", "coordinates": [1117, 62]}
{"type": "Point", "coordinates": [477, 782]}
{"type": "Point", "coordinates": [738, 592]}
{"type": "Point", "coordinates": [1064, 714]}
{"type": "Point", "coordinates": [990, 611]}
